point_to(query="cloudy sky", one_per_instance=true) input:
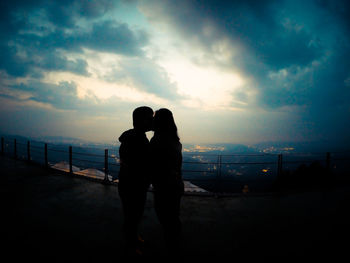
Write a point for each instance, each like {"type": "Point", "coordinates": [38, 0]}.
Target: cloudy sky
{"type": "Point", "coordinates": [231, 71]}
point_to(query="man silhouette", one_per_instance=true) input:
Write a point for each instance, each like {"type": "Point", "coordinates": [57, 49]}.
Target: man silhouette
{"type": "Point", "coordinates": [134, 176]}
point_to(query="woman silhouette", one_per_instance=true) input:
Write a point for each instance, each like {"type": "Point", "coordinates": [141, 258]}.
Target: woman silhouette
{"type": "Point", "coordinates": [166, 176]}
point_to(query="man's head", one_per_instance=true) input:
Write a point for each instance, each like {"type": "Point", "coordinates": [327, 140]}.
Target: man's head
{"type": "Point", "coordinates": [143, 118]}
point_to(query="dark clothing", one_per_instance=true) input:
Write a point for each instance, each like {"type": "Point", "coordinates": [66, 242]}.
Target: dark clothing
{"type": "Point", "coordinates": [134, 153]}
{"type": "Point", "coordinates": [134, 180]}
{"type": "Point", "coordinates": [168, 187]}
{"type": "Point", "coordinates": [166, 164]}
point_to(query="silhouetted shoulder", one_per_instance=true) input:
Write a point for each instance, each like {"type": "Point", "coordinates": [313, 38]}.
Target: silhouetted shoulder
{"type": "Point", "coordinates": [127, 135]}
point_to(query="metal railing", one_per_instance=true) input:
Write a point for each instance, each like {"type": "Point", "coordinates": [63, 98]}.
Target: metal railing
{"type": "Point", "coordinates": [215, 172]}
{"type": "Point", "coordinates": [39, 152]}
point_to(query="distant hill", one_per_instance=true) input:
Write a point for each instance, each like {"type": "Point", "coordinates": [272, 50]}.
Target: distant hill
{"type": "Point", "coordinates": [60, 140]}
{"type": "Point", "coordinates": [219, 148]}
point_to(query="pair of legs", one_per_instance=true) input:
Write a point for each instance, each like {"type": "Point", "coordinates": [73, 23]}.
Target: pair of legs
{"type": "Point", "coordinates": [133, 201]}
{"type": "Point", "coordinates": [167, 207]}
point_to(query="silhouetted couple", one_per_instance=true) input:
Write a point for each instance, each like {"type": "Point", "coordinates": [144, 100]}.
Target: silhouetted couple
{"type": "Point", "coordinates": [157, 162]}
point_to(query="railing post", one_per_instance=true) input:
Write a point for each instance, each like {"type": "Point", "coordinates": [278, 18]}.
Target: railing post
{"type": "Point", "coordinates": [218, 177]}
{"type": "Point", "coordinates": [70, 159]}
{"type": "Point", "coordinates": [46, 158]}
{"type": "Point", "coordinates": [28, 150]}
{"type": "Point", "coordinates": [2, 146]}
{"type": "Point", "coordinates": [279, 165]}
{"type": "Point", "coordinates": [106, 165]}
{"type": "Point", "coordinates": [15, 148]}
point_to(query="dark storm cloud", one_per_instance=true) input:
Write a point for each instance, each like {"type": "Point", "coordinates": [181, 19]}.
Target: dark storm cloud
{"type": "Point", "coordinates": [31, 59]}
{"type": "Point", "coordinates": [113, 37]}
{"type": "Point", "coordinates": [107, 36]}
{"type": "Point", "coordinates": [35, 35]}
{"type": "Point", "coordinates": [251, 24]}
{"type": "Point", "coordinates": [41, 36]}
{"type": "Point", "coordinates": [274, 35]}
{"type": "Point", "coordinates": [64, 13]}
{"type": "Point", "coordinates": [339, 9]}
{"type": "Point", "coordinates": [59, 12]}
{"type": "Point", "coordinates": [297, 52]}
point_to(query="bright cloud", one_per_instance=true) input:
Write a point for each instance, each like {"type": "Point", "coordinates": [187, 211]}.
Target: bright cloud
{"type": "Point", "coordinates": [209, 87]}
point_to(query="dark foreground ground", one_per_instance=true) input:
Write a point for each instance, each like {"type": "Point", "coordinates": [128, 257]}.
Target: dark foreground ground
{"type": "Point", "coordinates": [46, 215]}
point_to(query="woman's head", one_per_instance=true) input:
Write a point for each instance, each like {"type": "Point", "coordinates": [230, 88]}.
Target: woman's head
{"type": "Point", "coordinates": [164, 124]}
